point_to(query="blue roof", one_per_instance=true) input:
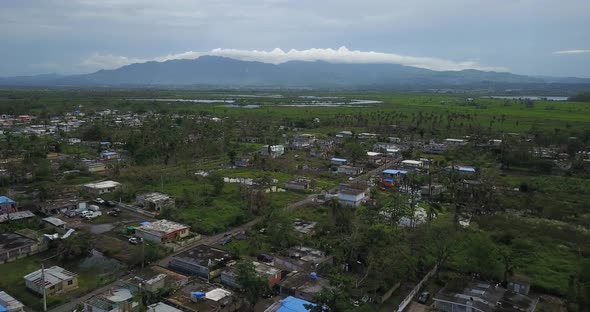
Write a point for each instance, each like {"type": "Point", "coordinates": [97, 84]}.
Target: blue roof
{"type": "Point", "coordinates": [145, 223]}
{"type": "Point", "coordinates": [109, 153]}
{"type": "Point", "coordinates": [292, 304]}
{"type": "Point", "coordinates": [388, 180]}
{"type": "Point", "coordinates": [4, 200]}
{"type": "Point", "coordinates": [338, 159]}
{"type": "Point", "coordinates": [394, 171]}
{"type": "Point", "coordinates": [3, 309]}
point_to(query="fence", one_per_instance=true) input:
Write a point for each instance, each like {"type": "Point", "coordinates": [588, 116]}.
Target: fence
{"type": "Point", "coordinates": [416, 289]}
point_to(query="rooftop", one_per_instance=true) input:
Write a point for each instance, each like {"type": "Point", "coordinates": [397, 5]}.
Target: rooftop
{"type": "Point", "coordinates": [350, 191]}
{"type": "Point", "coordinates": [9, 302]}
{"type": "Point", "coordinates": [304, 283]}
{"type": "Point", "coordinates": [204, 255]}
{"type": "Point", "coordinates": [161, 307]}
{"type": "Point", "coordinates": [394, 171]}
{"type": "Point", "coordinates": [162, 227]}
{"type": "Point", "coordinates": [53, 275]}
{"type": "Point", "coordinates": [213, 298]}
{"type": "Point", "coordinates": [485, 297]}
{"type": "Point", "coordinates": [25, 214]}
{"type": "Point", "coordinates": [307, 254]}
{"type": "Point", "coordinates": [55, 221]}
{"type": "Point", "coordinates": [9, 241]}
{"type": "Point", "coordinates": [102, 185]}
{"type": "Point", "coordinates": [289, 304]}
{"type": "Point", "coordinates": [5, 200]}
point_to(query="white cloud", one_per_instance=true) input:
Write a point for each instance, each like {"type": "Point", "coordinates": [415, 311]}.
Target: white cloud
{"type": "Point", "coordinates": [278, 56]}
{"type": "Point", "coordinates": [572, 52]}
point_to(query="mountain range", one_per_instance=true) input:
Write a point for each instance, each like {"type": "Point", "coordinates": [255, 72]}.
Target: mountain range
{"type": "Point", "coordinates": [222, 72]}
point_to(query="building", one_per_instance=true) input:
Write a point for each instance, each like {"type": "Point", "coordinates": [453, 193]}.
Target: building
{"type": "Point", "coordinates": [273, 150]}
{"type": "Point", "coordinates": [94, 167]}
{"type": "Point", "coordinates": [50, 207]}
{"type": "Point", "coordinates": [290, 304]}
{"type": "Point", "coordinates": [163, 231]}
{"type": "Point", "coordinates": [154, 278]}
{"type": "Point", "coordinates": [118, 300]}
{"type": "Point", "coordinates": [303, 285]}
{"type": "Point", "coordinates": [57, 281]}
{"type": "Point", "coordinates": [9, 304]}
{"type": "Point", "coordinates": [479, 296]}
{"type": "Point", "coordinates": [14, 246]}
{"type": "Point", "coordinates": [304, 226]}
{"type": "Point", "coordinates": [204, 297]}
{"type": "Point", "coordinates": [56, 222]}
{"type": "Point", "coordinates": [374, 158]}
{"type": "Point", "coordinates": [461, 169]}
{"type": "Point", "coordinates": [269, 273]}
{"type": "Point", "coordinates": [7, 205]}
{"type": "Point", "coordinates": [432, 190]}
{"type": "Point", "coordinates": [155, 201]}
{"type": "Point", "coordinates": [350, 170]}
{"type": "Point", "coordinates": [350, 197]}
{"type": "Point", "coordinates": [455, 141]}
{"type": "Point", "coordinates": [20, 215]}
{"type": "Point", "coordinates": [100, 188]}
{"type": "Point", "coordinates": [391, 176]}
{"type": "Point", "coordinates": [338, 161]}
{"type": "Point", "coordinates": [161, 307]}
{"type": "Point", "coordinates": [301, 258]}
{"type": "Point", "coordinates": [204, 261]}
{"type": "Point", "coordinates": [108, 155]}
{"type": "Point", "coordinates": [299, 184]}
{"type": "Point", "coordinates": [412, 163]}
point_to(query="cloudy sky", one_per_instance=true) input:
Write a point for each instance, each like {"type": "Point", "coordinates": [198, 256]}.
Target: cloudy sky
{"type": "Point", "coordinates": [535, 37]}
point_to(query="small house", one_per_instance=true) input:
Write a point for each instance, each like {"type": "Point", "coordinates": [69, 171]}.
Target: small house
{"type": "Point", "coordinates": [117, 300]}
{"type": "Point", "coordinates": [163, 231]}
{"type": "Point", "coordinates": [155, 201]}
{"type": "Point", "coordinates": [301, 258]}
{"type": "Point", "coordinates": [432, 190]}
{"type": "Point", "coordinates": [349, 170]}
{"type": "Point", "coordinates": [374, 158]}
{"type": "Point", "coordinates": [94, 167]}
{"type": "Point", "coordinates": [350, 197]}
{"type": "Point", "coordinates": [14, 246]}
{"type": "Point", "coordinates": [109, 155]}
{"type": "Point", "coordinates": [303, 285]}
{"type": "Point", "coordinates": [56, 280]}
{"type": "Point", "coordinates": [338, 161]}
{"type": "Point", "coordinates": [290, 304]}
{"type": "Point", "coordinates": [273, 150]}
{"type": "Point", "coordinates": [412, 163]}
{"type": "Point", "coordinates": [299, 184]}
{"type": "Point", "coordinates": [100, 188]}
{"type": "Point", "coordinates": [202, 296]}
{"type": "Point", "coordinates": [269, 273]}
{"type": "Point", "coordinates": [455, 141]}
{"type": "Point", "coordinates": [7, 205]}
{"type": "Point", "coordinates": [202, 260]}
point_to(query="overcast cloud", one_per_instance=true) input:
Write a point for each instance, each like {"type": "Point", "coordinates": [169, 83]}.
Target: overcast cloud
{"type": "Point", "coordinates": [537, 37]}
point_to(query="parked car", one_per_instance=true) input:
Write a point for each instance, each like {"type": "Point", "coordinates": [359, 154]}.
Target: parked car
{"type": "Point", "coordinates": [135, 240]}
{"type": "Point", "coordinates": [113, 213]}
{"type": "Point", "coordinates": [109, 203]}
{"type": "Point", "coordinates": [99, 201]}
{"type": "Point", "coordinates": [225, 241]}
{"type": "Point", "coordinates": [85, 213]}
{"type": "Point", "coordinates": [265, 258]}
{"type": "Point", "coordinates": [92, 215]}
{"type": "Point", "coordinates": [423, 298]}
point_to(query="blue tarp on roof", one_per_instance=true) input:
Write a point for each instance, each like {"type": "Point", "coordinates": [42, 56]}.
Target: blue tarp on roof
{"type": "Point", "coordinates": [3, 309]}
{"type": "Point", "coordinates": [394, 171]}
{"type": "Point", "coordinates": [109, 153]}
{"type": "Point", "coordinates": [389, 180]}
{"type": "Point", "coordinates": [292, 304]}
{"type": "Point", "coordinates": [145, 223]}
{"type": "Point", "coordinates": [105, 143]}
{"type": "Point", "coordinates": [4, 200]}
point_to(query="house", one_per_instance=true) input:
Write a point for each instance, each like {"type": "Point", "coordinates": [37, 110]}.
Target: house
{"type": "Point", "coordinates": [303, 285]}
{"type": "Point", "coordinates": [303, 141]}
{"type": "Point", "coordinates": [344, 134]}
{"type": "Point", "coordinates": [56, 222]}
{"type": "Point", "coordinates": [338, 161]}
{"type": "Point", "coordinates": [299, 184]}
{"type": "Point", "coordinates": [200, 296]}
{"type": "Point", "coordinates": [455, 141]}
{"type": "Point", "coordinates": [351, 197]}
{"type": "Point", "coordinates": [478, 296]}
{"type": "Point", "coordinates": [242, 162]}
{"type": "Point", "coordinates": [519, 284]}
{"type": "Point", "coordinates": [269, 273]}
{"type": "Point", "coordinates": [434, 148]}
{"type": "Point", "coordinates": [374, 158]}
{"type": "Point", "coordinates": [155, 201]}
{"type": "Point", "coordinates": [273, 150]}
{"type": "Point", "coordinates": [56, 280]}
{"type": "Point", "coordinates": [202, 260]}
{"type": "Point", "coordinates": [14, 246]}
{"type": "Point", "coordinates": [96, 167]}
{"type": "Point", "coordinates": [9, 304]}
{"type": "Point", "coordinates": [162, 231]}
{"type": "Point", "coordinates": [109, 155]}
{"type": "Point", "coordinates": [154, 278]}
{"type": "Point", "coordinates": [390, 176]}
{"type": "Point", "coordinates": [7, 205]}
{"type": "Point", "coordinates": [461, 169]}
{"type": "Point", "coordinates": [56, 206]}
{"type": "Point", "coordinates": [117, 300]}
{"type": "Point", "coordinates": [161, 307]}
{"type": "Point", "coordinates": [301, 258]}
{"type": "Point", "coordinates": [73, 141]}
{"type": "Point", "coordinates": [432, 190]}
{"type": "Point", "coordinates": [19, 215]}
{"type": "Point", "coordinates": [412, 163]}
{"type": "Point", "coordinates": [289, 304]}
{"type": "Point", "coordinates": [100, 188]}
{"type": "Point", "coordinates": [349, 170]}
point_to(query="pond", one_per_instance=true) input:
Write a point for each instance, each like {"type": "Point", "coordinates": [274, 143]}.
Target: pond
{"type": "Point", "coordinates": [97, 261]}
{"type": "Point", "coordinates": [528, 97]}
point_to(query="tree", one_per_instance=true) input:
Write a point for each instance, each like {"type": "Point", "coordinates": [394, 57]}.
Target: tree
{"type": "Point", "coordinates": [329, 299]}
{"type": "Point", "coordinates": [357, 153]}
{"type": "Point", "coordinates": [76, 246]}
{"type": "Point", "coordinates": [482, 254]}
{"type": "Point", "coordinates": [441, 242]}
{"type": "Point", "coordinates": [217, 182]}
{"type": "Point", "coordinates": [253, 286]}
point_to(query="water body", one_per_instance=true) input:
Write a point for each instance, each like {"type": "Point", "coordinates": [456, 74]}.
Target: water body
{"type": "Point", "coordinates": [101, 228]}
{"type": "Point", "coordinates": [187, 100]}
{"type": "Point", "coordinates": [98, 261]}
{"type": "Point", "coordinates": [528, 97]}
{"type": "Point", "coordinates": [242, 106]}
{"type": "Point", "coordinates": [351, 103]}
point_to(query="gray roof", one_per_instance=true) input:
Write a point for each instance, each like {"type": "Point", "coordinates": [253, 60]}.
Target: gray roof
{"type": "Point", "coordinates": [9, 302]}
{"type": "Point", "coordinates": [485, 297]}
{"type": "Point", "coordinates": [161, 307]}
{"type": "Point", "coordinates": [53, 276]}
{"type": "Point", "coordinates": [10, 241]}
{"type": "Point", "coordinates": [204, 255]}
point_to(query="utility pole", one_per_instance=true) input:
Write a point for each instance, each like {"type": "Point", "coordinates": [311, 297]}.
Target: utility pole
{"type": "Point", "coordinates": [44, 290]}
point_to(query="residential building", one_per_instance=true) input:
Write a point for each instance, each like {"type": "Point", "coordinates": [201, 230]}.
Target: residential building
{"type": "Point", "coordinates": [100, 188]}
{"type": "Point", "coordinates": [117, 300]}
{"type": "Point", "coordinates": [351, 197]}
{"type": "Point", "coordinates": [374, 158]}
{"type": "Point", "coordinates": [7, 205]}
{"type": "Point", "coordinates": [154, 278]}
{"type": "Point", "coordinates": [56, 280]}
{"type": "Point", "coordinates": [162, 231]}
{"type": "Point", "coordinates": [94, 167]}
{"type": "Point", "coordinates": [412, 163]}
{"type": "Point", "coordinates": [301, 258]}
{"type": "Point", "coordinates": [161, 307]}
{"type": "Point", "coordinates": [338, 161]}
{"type": "Point", "coordinates": [56, 222]}
{"type": "Point", "coordinates": [109, 155]}
{"type": "Point", "coordinates": [269, 273]}
{"type": "Point", "coordinates": [303, 285]}
{"type": "Point", "coordinates": [461, 169]}
{"type": "Point", "coordinates": [14, 246]}
{"type": "Point", "coordinates": [290, 304]}
{"type": "Point", "coordinates": [204, 261]}
{"type": "Point", "coordinates": [391, 176]}
{"type": "Point", "coordinates": [9, 304]}
{"type": "Point", "coordinates": [299, 184]}
{"type": "Point", "coordinates": [204, 297]}
{"type": "Point", "coordinates": [478, 296]}
{"type": "Point", "coordinates": [19, 215]}
{"type": "Point", "coordinates": [350, 170]}
{"type": "Point", "coordinates": [273, 150]}
{"type": "Point", "coordinates": [155, 201]}
{"type": "Point", "coordinates": [455, 141]}
{"type": "Point", "coordinates": [432, 190]}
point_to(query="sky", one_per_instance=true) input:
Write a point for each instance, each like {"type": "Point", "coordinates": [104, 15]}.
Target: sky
{"type": "Point", "coordinates": [532, 37]}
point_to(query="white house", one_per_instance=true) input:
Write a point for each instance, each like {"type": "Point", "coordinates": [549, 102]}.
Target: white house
{"type": "Point", "coordinates": [100, 188]}
{"type": "Point", "coordinates": [56, 280]}
{"type": "Point", "coordinates": [351, 197]}
{"type": "Point", "coordinates": [413, 163]}
{"type": "Point", "coordinates": [163, 231]}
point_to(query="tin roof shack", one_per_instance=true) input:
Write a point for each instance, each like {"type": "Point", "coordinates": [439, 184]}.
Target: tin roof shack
{"type": "Point", "coordinates": [204, 297]}
{"type": "Point", "coordinates": [481, 297]}
{"type": "Point", "coordinates": [9, 304]}
{"type": "Point", "coordinates": [350, 197]}
{"type": "Point", "coordinates": [57, 280]}
{"type": "Point", "coordinates": [14, 246]}
{"type": "Point", "coordinates": [299, 184]}
{"type": "Point", "coordinates": [465, 170]}
{"type": "Point", "coordinates": [304, 259]}
{"type": "Point", "coordinates": [289, 304]}
{"type": "Point", "coordinates": [303, 285]}
{"type": "Point", "coordinates": [118, 300]}
{"type": "Point", "coordinates": [100, 188]}
{"type": "Point", "coordinates": [155, 201]}
{"type": "Point", "coordinates": [19, 215]}
{"type": "Point", "coordinates": [56, 222]}
{"type": "Point", "coordinates": [7, 205]}
{"type": "Point", "coordinates": [51, 207]}
{"type": "Point", "coordinates": [109, 155]}
{"type": "Point", "coordinates": [163, 231]}
{"type": "Point", "coordinates": [271, 274]}
{"type": "Point", "coordinates": [204, 261]}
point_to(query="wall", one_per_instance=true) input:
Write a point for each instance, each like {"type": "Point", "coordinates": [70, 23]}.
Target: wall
{"type": "Point", "coordinates": [416, 289]}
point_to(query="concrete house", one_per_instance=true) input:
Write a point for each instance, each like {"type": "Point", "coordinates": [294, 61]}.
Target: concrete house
{"type": "Point", "coordinates": [204, 261]}
{"type": "Point", "coordinates": [9, 304]}
{"type": "Point", "coordinates": [350, 170]}
{"type": "Point", "coordinates": [57, 281]}
{"type": "Point", "coordinates": [301, 258]}
{"type": "Point", "coordinates": [269, 273]}
{"type": "Point", "coordinates": [412, 163]}
{"type": "Point", "coordinates": [338, 161]}
{"type": "Point", "coordinates": [303, 285]}
{"type": "Point", "coordinates": [155, 201]}
{"type": "Point", "coordinates": [109, 155]}
{"type": "Point", "coordinates": [299, 184]}
{"type": "Point", "coordinates": [7, 205]}
{"type": "Point", "coordinates": [100, 188]}
{"type": "Point", "coordinates": [273, 150]}
{"type": "Point", "coordinates": [351, 197]}
{"type": "Point", "coordinates": [163, 231]}
{"type": "Point", "coordinates": [118, 300]}
{"type": "Point", "coordinates": [200, 296]}
{"type": "Point", "coordinates": [14, 246]}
